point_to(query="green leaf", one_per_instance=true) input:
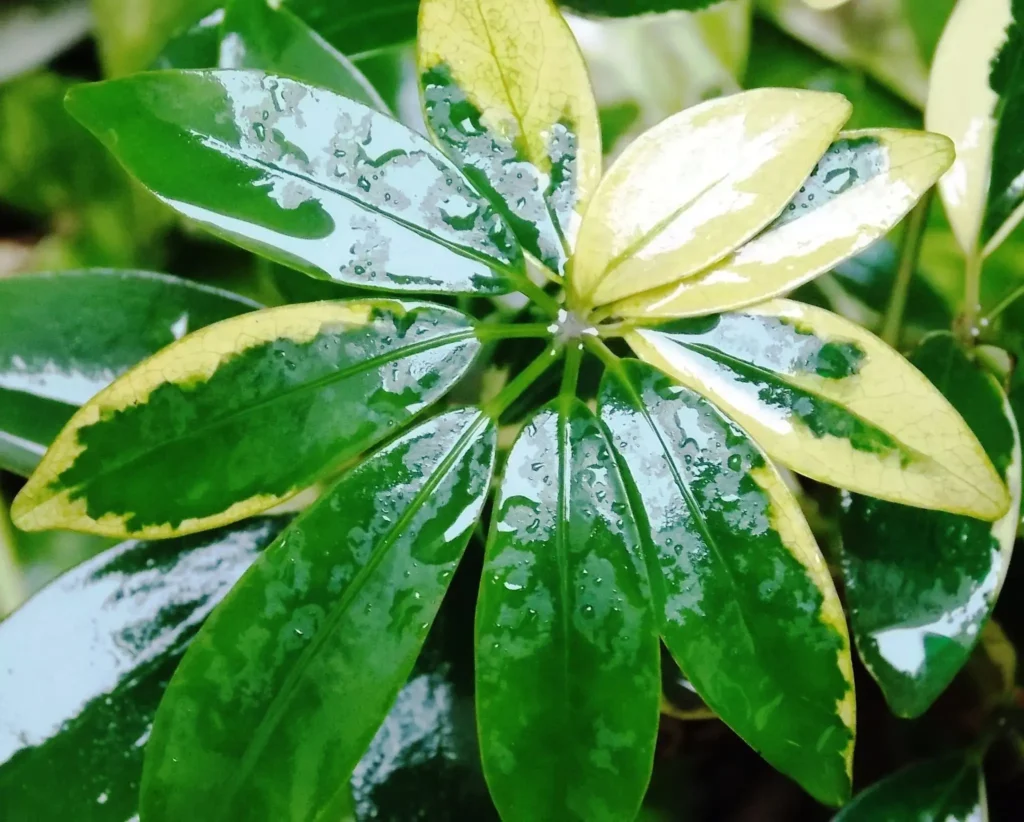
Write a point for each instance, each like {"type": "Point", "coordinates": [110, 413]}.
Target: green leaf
{"type": "Point", "coordinates": [424, 762]}
{"type": "Point", "coordinates": [977, 98]}
{"type": "Point", "coordinates": [239, 416]}
{"type": "Point", "coordinates": [71, 745]}
{"type": "Point", "coordinates": [131, 38]}
{"type": "Point", "coordinates": [567, 652]}
{"type": "Point", "coordinates": [69, 335]}
{"type": "Point", "coordinates": [697, 186]}
{"type": "Point", "coordinates": [833, 402]}
{"type": "Point", "coordinates": [862, 186]}
{"type": "Point", "coordinates": [743, 597]}
{"type": "Point", "coordinates": [256, 36]}
{"type": "Point", "coordinates": [927, 19]}
{"type": "Point", "coordinates": [628, 8]}
{"type": "Point", "coordinates": [33, 33]}
{"type": "Point", "coordinates": [303, 176]}
{"type": "Point", "coordinates": [285, 685]}
{"type": "Point", "coordinates": [506, 95]}
{"type": "Point", "coordinates": [948, 789]}
{"type": "Point", "coordinates": [196, 47]}
{"type": "Point", "coordinates": [921, 584]}
{"type": "Point", "coordinates": [357, 28]}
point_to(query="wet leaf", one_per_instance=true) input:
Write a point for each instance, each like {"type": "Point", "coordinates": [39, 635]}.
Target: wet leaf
{"type": "Point", "coordinates": [921, 584]}
{"type": "Point", "coordinates": [70, 334]}
{"type": "Point", "coordinates": [947, 789]}
{"type": "Point", "coordinates": [237, 417]}
{"type": "Point", "coordinates": [507, 97]}
{"type": "Point", "coordinates": [257, 36]}
{"type": "Point", "coordinates": [86, 662]}
{"type": "Point", "coordinates": [860, 189]}
{"type": "Point", "coordinates": [567, 651]}
{"type": "Point", "coordinates": [303, 176]}
{"type": "Point", "coordinates": [977, 98]}
{"type": "Point", "coordinates": [692, 189]}
{"type": "Point", "coordinates": [832, 402]}
{"type": "Point", "coordinates": [130, 39]}
{"type": "Point", "coordinates": [743, 597]}
{"type": "Point", "coordinates": [33, 33]}
{"type": "Point", "coordinates": [331, 619]}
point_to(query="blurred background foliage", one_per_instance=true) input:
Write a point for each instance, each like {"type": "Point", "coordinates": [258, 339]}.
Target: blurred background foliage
{"type": "Point", "coordinates": [65, 203]}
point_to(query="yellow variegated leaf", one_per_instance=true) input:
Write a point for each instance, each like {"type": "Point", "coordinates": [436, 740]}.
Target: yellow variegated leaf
{"type": "Point", "coordinates": [695, 187]}
{"type": "Point", "coordinates": [507, 97]}
{"type": "Point", "coordinates": [977, 99]}
{"type": "Point", "coordinates": [241, 415]}
{"type": "Point", "coordinates": [824, 5]}
{"type": "Point", "coordinates": [863, 186]}
{"type": "Point", "coordinates": [833, 402]}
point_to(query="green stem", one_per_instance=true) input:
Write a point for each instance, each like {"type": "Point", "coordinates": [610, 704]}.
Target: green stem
{"type": "Point", "coordinates": [909, 254]}
{"type": "Point", "coordinates": [1005, 303]}
{"type": "Point", "coordinates": [972, 298]}
{"type": "Point", "coordinates": [12, 589]}
{"type": "Point", "coordinates": [539, 296]}
{"type": "Point", "coordinates": [523, 380]}
{"type": "Point", "coordinates": [570, 377]}
{"type": "Point", "coordinates": [602, 352]}
{"type": "Point", "coordinates": [496, 331]}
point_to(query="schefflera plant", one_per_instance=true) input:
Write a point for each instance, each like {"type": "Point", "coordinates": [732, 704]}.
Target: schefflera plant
{"type": "Point", "coordinates": [654, 513]}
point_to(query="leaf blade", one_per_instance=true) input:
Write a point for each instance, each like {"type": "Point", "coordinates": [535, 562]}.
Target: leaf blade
{"type": "Point", "coordinates": [506, 95]}
{"type": "Point", "coordinates": [352, 616]}
{"type": "Point", "coordinates": [110, 320]}
{"type": "Point", "coordinates": [922, 584]}
{"type": "Point", "coordinates": [238, 154]}
{"type": "Point", "coordinates": [699, 184]}
{"type": "Point", "coordinates": [863, 186]}
{"type": "Point", "coordinates": [567, 653]}
{"type": "Point", "coordinates": [314, 384]}
{"type": "Point", "coordinates": [976, 96]}
{"type": "Point", "coordinates": [833, 402]}
{"type": "Point", "coordinates": [136, 607]}
{"type": "Point", "coordinates": [734, 570]}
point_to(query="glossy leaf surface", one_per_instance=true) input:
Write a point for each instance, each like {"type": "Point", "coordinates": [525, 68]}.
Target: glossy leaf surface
{"type": "Point", "coordinates": [693, 188]}
{"type": "Point", "coordinates": [256, 36]}
{"type": "Point", "coordinates": [976, 96]}
{"type": "Point", "coordinates": [860, 189]}
{"type": "Point", "coordinates": [506, 95]}
{"type": "Point", "coordinates": [948, 789]}
{"type": "Point", "coordinates": [303, 176]}
{"type": "Point", "coordinates": [921, 584]}
{"type": "Point", "coordinates": [287, 682]}
{"type": "Point", "coordinates": [85, 663]}
{"type": "Point", "coordinates": [833, 402]}
{"type": "Point", "coordinates": [68, 335]}
{"type": "Point", "coordinates": [357, 28]}
{"type": "Point", "coordinates": [742, 594]}
{"type": "Point", "coordinates": [241, 415]}
{"type": "Point", "coordinates": [567, 650]}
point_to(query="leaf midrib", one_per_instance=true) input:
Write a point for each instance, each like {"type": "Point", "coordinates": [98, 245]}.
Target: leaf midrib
{"type": "Point", "coordinates": [327, 379]}
{"type": "Point", "coordinates": [281, 700]}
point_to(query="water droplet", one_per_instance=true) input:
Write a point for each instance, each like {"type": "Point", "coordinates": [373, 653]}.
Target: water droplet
{"type": "Point", "coordinates": [735, 462]}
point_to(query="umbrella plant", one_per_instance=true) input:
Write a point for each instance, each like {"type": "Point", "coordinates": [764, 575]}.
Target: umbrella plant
{"type": "Point", "coordinates": [600, 369]}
